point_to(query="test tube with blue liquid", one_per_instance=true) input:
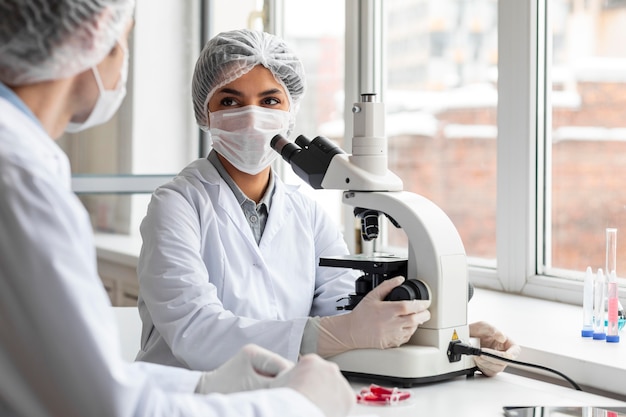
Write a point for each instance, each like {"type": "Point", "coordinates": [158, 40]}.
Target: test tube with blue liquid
{"type": "Point", "coordinates": [612, 329]}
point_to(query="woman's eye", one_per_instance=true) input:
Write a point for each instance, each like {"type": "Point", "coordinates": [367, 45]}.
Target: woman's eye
{"type": "Point", "coordinates": [271, 101]}
{"type": "Point", "coordinates": [228, 102]}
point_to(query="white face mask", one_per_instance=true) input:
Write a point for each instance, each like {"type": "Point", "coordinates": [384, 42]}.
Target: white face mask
{"type": "Point", "coordinates": [108, 101]}
{"type": "Point", "coordinates": [243, 135]}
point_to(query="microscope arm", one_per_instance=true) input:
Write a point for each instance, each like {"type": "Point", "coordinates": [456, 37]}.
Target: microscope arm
{"type": "Point", "coordinates": [322, 164]}
{"type": "Point", "coordinates": [436, 254]}
{"type": "Point", "coordinates": [342, 174]}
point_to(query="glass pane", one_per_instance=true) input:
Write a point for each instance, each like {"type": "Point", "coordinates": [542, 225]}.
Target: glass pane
{"type": "Point", "coordinates": [588, 132]}
{"type": "Point", "coordinates": [316, 32]}
{"type": "Point", "coordinates": [110, 212]}
{"type": "Point", "coordinates": [441, 102]}
{"type": "Point", "coordinates": [246, 15]}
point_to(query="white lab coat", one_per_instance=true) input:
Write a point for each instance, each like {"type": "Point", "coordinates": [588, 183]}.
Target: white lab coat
{"type": "Point", "coordinates": [207, 288]}
{"type": "Point", "coordinates": [59, 348]}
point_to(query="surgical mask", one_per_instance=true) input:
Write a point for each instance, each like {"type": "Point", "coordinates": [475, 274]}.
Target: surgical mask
{"type": "Point", "coordinates": [243, 135]}
{"type": "Point", "coordinates": [108, 101]}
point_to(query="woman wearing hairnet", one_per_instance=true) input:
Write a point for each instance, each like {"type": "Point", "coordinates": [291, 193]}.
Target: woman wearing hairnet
{"type": "Point", "coordinates": [230, 253]}
{"type": "Point", "coordinates": [63, 66]}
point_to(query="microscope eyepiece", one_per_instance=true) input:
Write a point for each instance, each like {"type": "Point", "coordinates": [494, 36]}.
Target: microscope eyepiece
{"type": "Point", "coordinates": [278, 142]}
{"type": "Point", "coordinates": [302, 141]}
{"type": "Point", "coordinates": [309, 159]}
{"type": "Point", "coordinates": [285, 148]}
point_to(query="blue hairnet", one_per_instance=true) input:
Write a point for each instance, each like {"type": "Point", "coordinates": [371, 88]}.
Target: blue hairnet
{"type": "Point", "coordinates": [52, 39]}
{"type": "Point", "coordinates": [232, 54]}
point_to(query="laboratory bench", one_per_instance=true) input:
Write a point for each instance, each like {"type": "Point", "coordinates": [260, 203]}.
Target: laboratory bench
{"type": "Point", "coordinates": [476, 396]}
{"type": "Point", "coordinates": [592, 364]}
{"type": "Point", "coordinates": [549, 334]}
{"type": "Point", "coordinates": [481, 396]}
{"type": "Point", "coordinates": [117, 266]}
{"type": "Point", "coordinates": [547, 331]}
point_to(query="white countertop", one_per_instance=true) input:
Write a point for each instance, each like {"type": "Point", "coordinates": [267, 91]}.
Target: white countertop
{"type": "Point", "coordinates": [482, 397]}
{"type": "Point", "coordinates": [478, 396]}
{"type": "Point", "coordinates": [547, 331]}
{"type": "Point", "coordinates": [549, 334]}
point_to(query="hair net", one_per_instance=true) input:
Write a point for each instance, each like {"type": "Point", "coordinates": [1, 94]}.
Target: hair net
{"type": "Point", "coordinates": [52, 39]}
{"type": "Point", "coordinates": [232, 54]}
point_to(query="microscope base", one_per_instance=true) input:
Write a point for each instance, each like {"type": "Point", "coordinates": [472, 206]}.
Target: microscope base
{"type": "Point", "coordinates": [404, 366]}
{"type": "Point", "coordinates": [406, 382]}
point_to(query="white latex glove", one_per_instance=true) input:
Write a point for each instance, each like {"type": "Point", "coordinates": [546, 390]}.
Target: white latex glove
{"type": "Point", "coordinates": [253, 367]}
{"type": "Point", "coordinates": [373, 323]}
{"type": "Point", "coordinates": [321, 382]}
{"type": "Point", "coordinates": [495, 342]}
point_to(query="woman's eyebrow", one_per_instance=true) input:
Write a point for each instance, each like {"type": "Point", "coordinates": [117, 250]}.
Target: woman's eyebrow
{"type": "Point", "coordinates": [231, 91]}
{"type": "Point", "coordinates": [270, 92]}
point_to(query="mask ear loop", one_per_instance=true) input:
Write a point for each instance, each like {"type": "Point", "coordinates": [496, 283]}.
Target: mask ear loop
{"type": "Point", "coordinates": [124, 70]}
{"type": "Point", "coordinates": [96, 72]}
{"type": "Point", "coordinates": [207, 128]}
{"type": "Point", "coordinates": [206, 109]}
{"type": "Point", "coordinates": [292, 107]}
{"type": "Point", "coordinates": [96, 75]}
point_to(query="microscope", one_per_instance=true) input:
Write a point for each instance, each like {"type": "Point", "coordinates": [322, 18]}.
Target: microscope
{"type": "Point", "coordinates": [435, 268]}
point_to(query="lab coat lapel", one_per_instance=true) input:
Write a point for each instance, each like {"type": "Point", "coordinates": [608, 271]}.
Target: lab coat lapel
{"type": "Point", "coordinates": [231, 209]}
{"type": "Point", "coordinates": [225, 204]}
{"type": "Point", "coordinates": [280, 210]}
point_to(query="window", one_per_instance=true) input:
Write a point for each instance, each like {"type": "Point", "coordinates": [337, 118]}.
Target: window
{"type": "Point", "coordinates": [524, 165]}
{"type": "Point", "coordinates": [585, 134]}
{"type": "Point", "coordinates": [316, 31]}
{"type": "Point", "coordinates": [441, 101]}
{"type": "Point", "coordinates": [506, 113]}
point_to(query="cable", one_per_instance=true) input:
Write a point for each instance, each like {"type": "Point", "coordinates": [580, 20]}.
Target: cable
{"type": "Point", "coordinates": [459, 348]}
{"type": "Point", "coordinates": [532, 365]}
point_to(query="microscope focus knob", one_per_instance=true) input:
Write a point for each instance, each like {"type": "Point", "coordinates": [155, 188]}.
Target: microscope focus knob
{"type": "Point", "coordinates": [410, 289]}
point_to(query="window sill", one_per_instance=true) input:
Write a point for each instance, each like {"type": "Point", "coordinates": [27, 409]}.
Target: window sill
{"type": "Point", "coordinates": [117, 266]}
{"type": "Point", "coordinates": [121, 249]}
{"type": "Point", "coordinates": [549, 334]}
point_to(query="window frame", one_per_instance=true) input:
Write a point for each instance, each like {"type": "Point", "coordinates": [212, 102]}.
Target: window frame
{"type": "Point", "coordinates": [524, 160]}
{"type": "Point", "coordinates": [523, 211]}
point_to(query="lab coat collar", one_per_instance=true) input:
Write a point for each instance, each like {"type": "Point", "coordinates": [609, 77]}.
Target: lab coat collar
{"type": "Point", "coordinates": [204, 171]}
{"type": "Point", "coordinates": [8, 94]}
{"type": "Point", "coordinates": [26, 132]}
{"type": "Point", "coordinates": [239, 195]}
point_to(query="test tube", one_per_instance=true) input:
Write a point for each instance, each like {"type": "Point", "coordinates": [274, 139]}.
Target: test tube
{"type": "Point", "coordinates": [611, 251]}
{"type": "Point", "coordinates": [612, 335]}
{"type": "Point", "coordinates": [611, 264]}
{"type": "Point", "coordinates": [599, 297]}
{"type": "Point", "coordinates": [587, 330]}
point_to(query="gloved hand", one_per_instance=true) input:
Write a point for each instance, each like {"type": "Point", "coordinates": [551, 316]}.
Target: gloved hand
{"type": "Point", "coordinates": [492, 341]}
{"type": "Point", "coordinates": [321, 382]}
{"type": "Point", "coordinates": [253, 367]}
{"type": "Point", "coordinates": [373, 323]}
